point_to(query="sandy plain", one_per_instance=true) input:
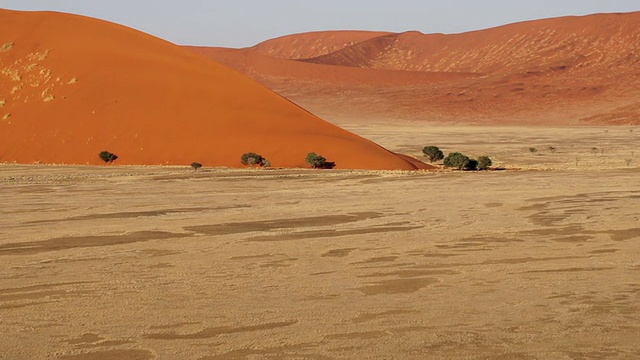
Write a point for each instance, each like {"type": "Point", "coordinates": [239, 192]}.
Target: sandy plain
{"type": "Point", "coordinates": [167, 263]}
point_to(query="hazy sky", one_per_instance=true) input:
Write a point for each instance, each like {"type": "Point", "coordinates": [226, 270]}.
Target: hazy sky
{"type": "Point", "coordinates": [239, 23]}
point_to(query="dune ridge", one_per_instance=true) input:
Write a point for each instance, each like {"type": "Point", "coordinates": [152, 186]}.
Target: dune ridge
{"type": "Point", "coordinates": [313, 44]}
{"type": "Point", "coordinates": [73, 86]}
{"type": "Point", "coordinates": [576, 44]}
{"type": "Point", "coordinates": [562, 71]}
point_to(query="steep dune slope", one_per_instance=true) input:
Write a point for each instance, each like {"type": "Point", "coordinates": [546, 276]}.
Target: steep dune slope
{"type": "Point", "coordinates": [73, 86]}
{"type": "Point", "coordinates": [566, 71]}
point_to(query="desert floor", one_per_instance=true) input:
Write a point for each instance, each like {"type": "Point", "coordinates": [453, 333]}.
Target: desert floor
{"type": "Point", "coordinates": [537, 262]}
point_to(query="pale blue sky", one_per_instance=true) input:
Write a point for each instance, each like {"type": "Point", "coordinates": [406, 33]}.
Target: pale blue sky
{"type": "Point", "coordinates": [239, 23]}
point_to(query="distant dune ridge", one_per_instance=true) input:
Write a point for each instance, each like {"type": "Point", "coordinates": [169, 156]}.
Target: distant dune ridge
{"type": "Point", "coordinates": [314, 44]}
{"type": "Point", "coordinates": [569, 70]}
{"type": "Point", "coordinates": [72, 86]}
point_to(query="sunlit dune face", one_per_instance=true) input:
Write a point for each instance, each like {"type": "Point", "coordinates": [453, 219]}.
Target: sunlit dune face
{"type": "Point", "coordinates": [73, 87]}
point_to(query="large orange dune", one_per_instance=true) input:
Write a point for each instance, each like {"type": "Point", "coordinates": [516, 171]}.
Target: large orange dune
{"type": "Point", "coordinates": [72, 86]}
{"type": "Point", "coordinates": [569, 70]}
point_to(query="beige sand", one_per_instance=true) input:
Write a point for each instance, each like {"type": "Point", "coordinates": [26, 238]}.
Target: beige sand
{"type": "Point", "coordinates": [145, 262]}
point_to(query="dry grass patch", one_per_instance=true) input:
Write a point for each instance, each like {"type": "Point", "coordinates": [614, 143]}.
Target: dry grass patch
{"type": "Point", "coordinates": [12, 74]}
{"type": "Point", "coordinates": [38, 56]}
{"type": "Point", "coordinates": [6, 47]}
{"type": "Point", "coordinates": [46, 97]}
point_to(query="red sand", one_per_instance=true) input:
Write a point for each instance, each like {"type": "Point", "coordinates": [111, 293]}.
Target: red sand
{"type": "Point", "coordinates": [74, 86]}
{"type": "Point", "coordinates": [254, 63]}
{"type": "Point", "coordinates": [571, 70]}
{"type": "Point", "coordinates": [308, 45]}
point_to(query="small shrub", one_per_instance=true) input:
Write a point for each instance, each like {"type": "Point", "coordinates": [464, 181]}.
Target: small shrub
{"type": "Point", "coordinates": [107, 157]}
{"type": "Point", "coordinates": [319, 162]}
{"type": "Point", "coordinates": [552, 149]}
{"type": "Point", "coordinates": [433, 153]}
{"type": "Point", "coordinates": [252, 159]}
{"type": "Point", "coordinates": [457, 160]}
{"type": "Point", "coordinates": [533, 150]}
{"type": "Point", "coordinates": [484, 162]}
{"type": "Point", "coordinates": [196, 166]}
{"type": "Point", "coordinates": [266, 163]}
{"type": "Point", "coordinates": [313, 158]}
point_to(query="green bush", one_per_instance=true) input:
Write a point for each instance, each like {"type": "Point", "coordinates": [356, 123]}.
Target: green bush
{"type": "Point", "coordinates": [252, 159]}
{"type": "Point", "coordinates": [457, 160]}
{"type": "Point", "coordinates": [484, 162]}
{"type": "Point", "coordinates": [319, 162]}
{"type": "Point", "coordinates": [433, 153]}
{"type": "Point", "coordinates": [196, 165]}
{"type": "Point", "coordinates": [107, 157]}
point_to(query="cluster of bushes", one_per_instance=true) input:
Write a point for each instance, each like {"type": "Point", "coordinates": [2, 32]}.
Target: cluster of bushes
{"type": "Point", "coordinates": [314, 160]}
{"type": "Point", "coordinates": [457, 160]}
{"type": "Point", "coordinates": [433, 153]}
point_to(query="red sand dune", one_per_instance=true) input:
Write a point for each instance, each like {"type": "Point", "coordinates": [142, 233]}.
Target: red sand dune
{"type": "Point", "coordinates": [73, 86]}
{"type": "Point", "coordinates": [570, 70]}
{"type": "Point", "coordinates": [309, 45]}
{"type": "Point", "coordinates": [577, 44]}
{"type": "Point", "coordinates": [260, 66]}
